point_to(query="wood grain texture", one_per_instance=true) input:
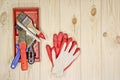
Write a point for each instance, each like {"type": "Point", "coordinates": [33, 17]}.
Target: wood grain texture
{"type": "Point", "coordinates": [110, 40]}
{"type": "Point", "coordinates": [6, 41]}
{"type": "Point", "coordinates": [94, 24]}
{"type": "Point", "coordinates": [90, 40]}
{"type": "Point", "coordinates": [13, 74]}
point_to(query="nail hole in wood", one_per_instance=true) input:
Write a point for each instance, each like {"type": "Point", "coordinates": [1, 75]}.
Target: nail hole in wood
{"type": "Point", "coordinates": [93, 11]}
{"type": "Point", "coordinates": [118, 39]}
{"type": "Point", "coordinates": [105, 34]}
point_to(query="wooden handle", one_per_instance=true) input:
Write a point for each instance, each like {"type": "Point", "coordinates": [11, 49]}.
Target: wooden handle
{"type": "Point", "coordinates": [24, 64]}
{"type": "Point", "coordinates": [32, 27]}
{"type": "Point", "coordinates": [40, 34]}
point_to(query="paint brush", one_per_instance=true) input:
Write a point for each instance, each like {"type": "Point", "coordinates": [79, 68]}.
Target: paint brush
{"type": "Point", "coordinates": [27, 30]}
{"type": "Point", "coordinates": [27, 22]}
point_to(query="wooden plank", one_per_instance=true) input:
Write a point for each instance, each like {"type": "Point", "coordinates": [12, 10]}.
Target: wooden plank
{"type": "Point", "coordinates": [49, 25]}
{"type": "Point", "coordinates": [6, 33]}
{"type": "Point", "coordinates": [30, 3]}
{"type": "Point", "coordinates": [2, 3]}
{"type": "Point", "coordinates": [57, 15]}
{"type": "Point", "coordinates": [70, 9]}
{"type": "Point", "coordinates": [111, 40]}
{"type": "Point", "coordinates": [13, 73]}
{"type": "Point", "coordinates": [91, 39]}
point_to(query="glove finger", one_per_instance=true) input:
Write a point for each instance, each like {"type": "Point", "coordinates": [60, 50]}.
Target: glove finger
{"type": "Point", "coordinates": [49, 51]}
{"type": "Point", "coordinates": [57, 52]}
{"type": "Point", "coordinates": [73, 44]}
{"type": "Point", "coordinates": [65, 38]}
{"type": "Point", "coordinates": [53, 55]}
{"type": "Point", "coordinates": [76, 55]}
{"type": "Point", "coordinates": [68, 47]}
{"type": "Point", "coordinates": [78, 49]}
{"type": "Point", "coordinates": [55, 44]}
{"type": "Point", "coordinates": [69, 40]}
{"type": "Point", "coordinates": [55, 40]}
{"type": "Point", "coordinates": [73, 50]}
{"type": "Point", "coordinates": [63, 48]}
{"type": "Point", "coordinates": [60, 37]}
{"type": "Point", "coordinates": [59, 41]}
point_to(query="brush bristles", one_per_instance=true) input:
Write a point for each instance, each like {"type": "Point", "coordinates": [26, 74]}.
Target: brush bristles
{"type": "Point", "coordinates": [23, 18]}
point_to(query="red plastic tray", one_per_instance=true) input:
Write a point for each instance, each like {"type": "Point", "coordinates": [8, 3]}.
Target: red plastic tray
{"type": "Point", "coordinates": [33, 13]}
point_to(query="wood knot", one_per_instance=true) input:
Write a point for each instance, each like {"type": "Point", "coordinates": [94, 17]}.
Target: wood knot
{"type": "Point", "coordinates": [74, 20]}
{"type": "Point", "coordinates": [105, 34]}
{"type": "Point", "coordinates": [118, 39]}
{"type": "Point", "coordinates": [3, 17]}
{"type": "Point", "coordinates": [93, 11]}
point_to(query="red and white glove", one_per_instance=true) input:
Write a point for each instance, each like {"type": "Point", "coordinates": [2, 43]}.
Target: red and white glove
{"type": "Point", "coordinates": [56, 53]}
{"type": "Point", "coordinates": [57, 43]}
{"type": "Point", "coordinates": [65, 58]}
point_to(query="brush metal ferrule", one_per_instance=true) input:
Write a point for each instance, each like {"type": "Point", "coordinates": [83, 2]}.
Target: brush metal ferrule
{"type": "Point", "coordinates": [26, 21]}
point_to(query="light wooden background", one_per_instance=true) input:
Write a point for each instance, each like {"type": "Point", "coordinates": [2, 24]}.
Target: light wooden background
{"type": "Point", "coordinates": [97, 32]}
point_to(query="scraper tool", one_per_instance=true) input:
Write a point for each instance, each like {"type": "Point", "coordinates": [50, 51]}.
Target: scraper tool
{"type": "Point", "coordinates": [23, 46]}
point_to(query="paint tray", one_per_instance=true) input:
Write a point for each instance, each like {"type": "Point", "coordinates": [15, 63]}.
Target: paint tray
{"type": "Point", "coordinates": [33, 13]}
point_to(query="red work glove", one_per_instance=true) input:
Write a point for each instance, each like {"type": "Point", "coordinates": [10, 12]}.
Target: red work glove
{"type": "Point", "coordinates": [58, 41]}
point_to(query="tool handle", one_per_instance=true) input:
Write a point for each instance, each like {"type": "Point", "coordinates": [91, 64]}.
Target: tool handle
{"type": "Point", "coordinates": [32, 27]}
{"type": "Point", "coordinates": [39, 33]}
{"type": "Point", "coordinates": [24, 64]}
{"type": "Point", "coordinates": [31, 56]}
{"type": "Point", "coordinates": [16, 59]}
